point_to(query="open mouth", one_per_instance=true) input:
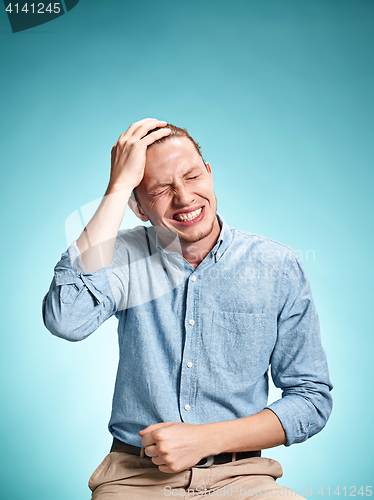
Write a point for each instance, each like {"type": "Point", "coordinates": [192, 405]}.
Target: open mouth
{"type": "Point", "coordinates": [186, 217]}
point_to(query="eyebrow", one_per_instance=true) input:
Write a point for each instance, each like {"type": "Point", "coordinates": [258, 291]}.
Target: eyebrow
{"type": "Point", "coordinates": [163, 184]}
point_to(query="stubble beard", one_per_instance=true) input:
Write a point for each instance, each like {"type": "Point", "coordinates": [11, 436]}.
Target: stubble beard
{"type": "Point", "coordinates": [175, 236]}
{"type": "Point", "coordinates": [198, 237]}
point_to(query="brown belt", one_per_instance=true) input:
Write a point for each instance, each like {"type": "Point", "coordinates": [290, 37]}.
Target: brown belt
{"type": "Point", "coordinates": [222, 458]}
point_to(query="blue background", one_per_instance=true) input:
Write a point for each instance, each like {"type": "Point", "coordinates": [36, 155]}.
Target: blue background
{"type": "Point", "coordinates": [279, 93]}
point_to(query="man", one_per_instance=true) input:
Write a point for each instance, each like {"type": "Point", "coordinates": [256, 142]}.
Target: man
{"type": "Point", "coordinates": [203, 311]}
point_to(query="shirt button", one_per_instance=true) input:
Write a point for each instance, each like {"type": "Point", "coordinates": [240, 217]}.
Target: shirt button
{"type": "Point", "coordinates": [193, 278]}
{"type": "Point", "coordinates": [189, 364]}
{"type": "Point", "coordinates": [218, 255]}
{"type": "Point", "coordinates": [187, 407]}
{"type": "Point", "coordinates": [192, 322]}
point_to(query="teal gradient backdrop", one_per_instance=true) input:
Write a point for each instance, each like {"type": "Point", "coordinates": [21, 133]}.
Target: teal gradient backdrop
{"type": "Point", "coordinates": [279, 93]}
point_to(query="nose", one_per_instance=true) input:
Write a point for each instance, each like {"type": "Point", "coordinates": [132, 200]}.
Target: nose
{"type": "Point", "coordinates": [182, 196]}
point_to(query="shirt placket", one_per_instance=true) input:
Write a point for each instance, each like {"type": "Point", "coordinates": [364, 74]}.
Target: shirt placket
{"type": "Point", "coordinates": [189, 369]}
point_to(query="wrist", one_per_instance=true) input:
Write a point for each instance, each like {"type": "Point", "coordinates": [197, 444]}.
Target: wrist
{"type": "Point", "coordinates": [116, 187]}
{"type": "Point", "coordinates": [212, 438]}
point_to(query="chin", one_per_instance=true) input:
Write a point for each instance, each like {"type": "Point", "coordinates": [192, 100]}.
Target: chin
{"type": "Point", "coordinates": [194, 238]}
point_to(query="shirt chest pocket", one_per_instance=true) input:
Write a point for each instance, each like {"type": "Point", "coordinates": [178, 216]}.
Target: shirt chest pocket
{"type": "Point", "coordinates": [236, 343]}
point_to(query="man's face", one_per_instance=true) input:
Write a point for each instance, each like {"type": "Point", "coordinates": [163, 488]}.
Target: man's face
{"type": "Point", "coordinates": [176, 193]}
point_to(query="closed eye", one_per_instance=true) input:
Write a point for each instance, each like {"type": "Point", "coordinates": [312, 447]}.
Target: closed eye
{"type": "Point", "coordinates": [159, 192]}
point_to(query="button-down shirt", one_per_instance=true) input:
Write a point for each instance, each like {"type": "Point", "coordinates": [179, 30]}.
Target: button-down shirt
{"type": "Point", "coordinates": [195, 345]}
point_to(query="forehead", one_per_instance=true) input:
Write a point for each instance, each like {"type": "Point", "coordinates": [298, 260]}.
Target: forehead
{"type": "Point", "coordinates": [170, 159]}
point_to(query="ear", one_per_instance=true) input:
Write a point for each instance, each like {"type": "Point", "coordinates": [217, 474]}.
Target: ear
{"type": "Point", "coordinates": [208, 167]}
{"type": "Point", "coordinates": [136, 208]}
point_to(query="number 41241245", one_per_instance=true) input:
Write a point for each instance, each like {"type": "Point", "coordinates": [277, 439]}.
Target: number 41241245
{"type": "Point", "coordinates": [34, 8]}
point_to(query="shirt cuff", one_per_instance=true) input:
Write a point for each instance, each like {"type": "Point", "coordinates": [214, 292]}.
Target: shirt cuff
{"type": "Point", "coordinates": [70, 269]}
{"type": "Point", "coordinates": [294, 415]}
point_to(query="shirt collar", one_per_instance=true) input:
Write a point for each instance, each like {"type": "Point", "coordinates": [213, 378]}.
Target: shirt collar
{"type": "Point", "coordinates": [224, 239]}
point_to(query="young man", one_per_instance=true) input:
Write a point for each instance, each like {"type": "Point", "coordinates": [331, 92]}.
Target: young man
{"type": "Point", "coordinates": [203, 311]}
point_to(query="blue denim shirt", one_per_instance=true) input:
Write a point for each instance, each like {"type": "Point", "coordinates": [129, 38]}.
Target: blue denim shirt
{"type": "Point", "coordinates": [196, 344]}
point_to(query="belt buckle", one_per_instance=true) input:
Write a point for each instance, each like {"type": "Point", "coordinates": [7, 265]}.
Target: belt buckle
{"type": "Point", "coordinates": [208, 463]}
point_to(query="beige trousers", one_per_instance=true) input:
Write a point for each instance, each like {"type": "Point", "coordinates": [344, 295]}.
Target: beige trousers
{"type": "Point", "coordinates": [122, 476]}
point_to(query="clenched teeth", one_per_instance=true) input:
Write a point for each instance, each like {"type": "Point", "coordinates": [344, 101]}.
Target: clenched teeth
{"type": "Point", "coordinates": [189, 216]}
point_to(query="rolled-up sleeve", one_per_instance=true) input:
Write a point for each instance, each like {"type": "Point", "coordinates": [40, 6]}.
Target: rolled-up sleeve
{"type": "Point", "coordinates": [298, 362]}
{"type": "Point", "coordinates": [78, 302]}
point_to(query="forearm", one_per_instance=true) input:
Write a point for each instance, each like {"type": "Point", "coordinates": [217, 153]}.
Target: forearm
{"type": "Point", "coordinates": [257, 432]}
{"type": "Point", "coordinates": [176, 446]}
{"type": "Point", "coordinates": [97, 241]}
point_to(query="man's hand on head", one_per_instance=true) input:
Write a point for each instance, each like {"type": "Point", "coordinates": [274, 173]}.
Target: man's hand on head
{"type": "Point", "coordinates": [129, 153]}
{"type": "Point", "coordinates": [175, 446]}
{"type": "Point", "coordinates": [97, 241]}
